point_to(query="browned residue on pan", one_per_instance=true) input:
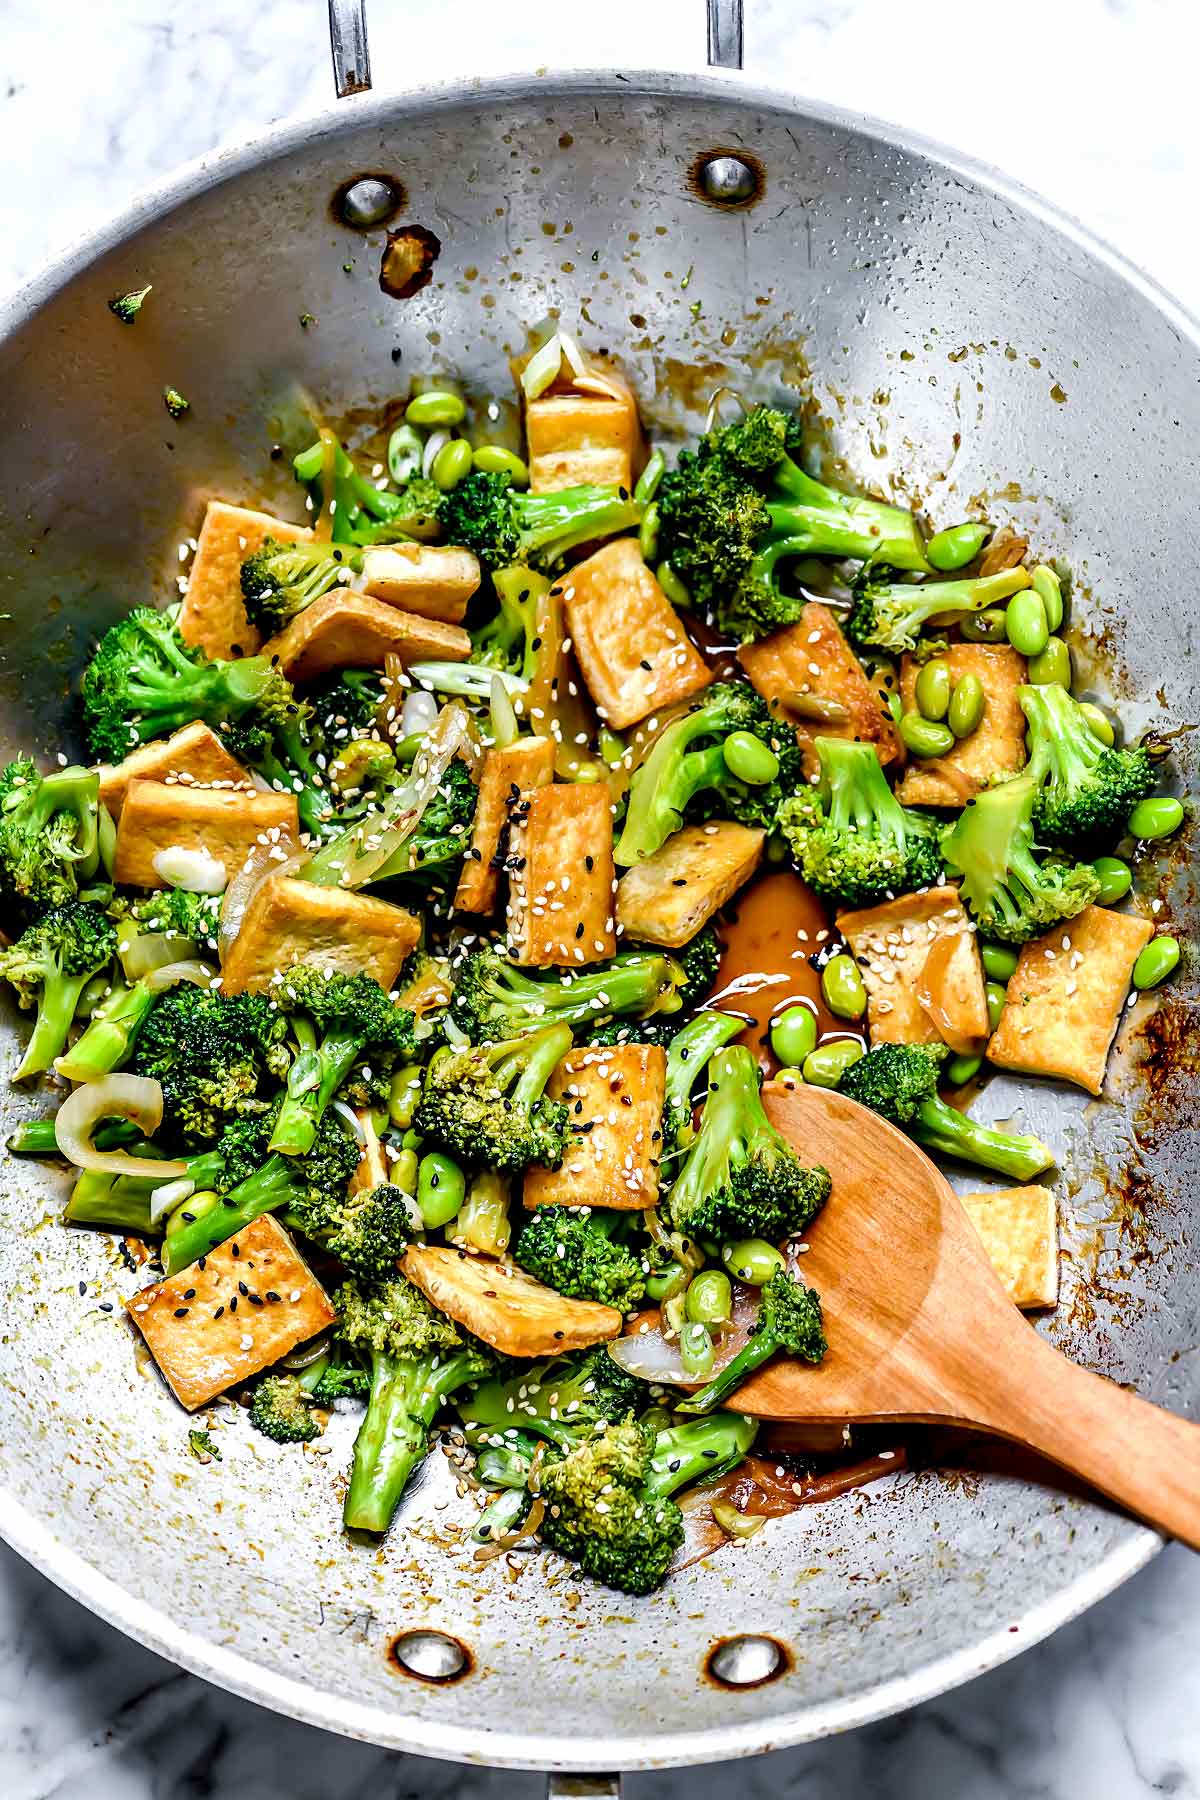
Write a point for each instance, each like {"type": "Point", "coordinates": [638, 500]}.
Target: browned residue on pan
{"type": "Point", "coordinates": [406, 265]}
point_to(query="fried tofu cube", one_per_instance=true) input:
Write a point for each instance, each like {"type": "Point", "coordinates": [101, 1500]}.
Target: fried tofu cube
{"type": "Point", "coordinates": [562, 883]}
{"type": "Point", "coordinates": [631, 648]}
{"type": "Point", "coordinates": [519, 767]}
{"type": "Point", "coordinates": [920, 964]}
{"type": "Point", "coordinates": [666, 899]}
{"type": "Point", "coordinates": [223, 824]}
{"type": "Point", "coordinates": [574, 437]}
{"type": "Point", "coordinates": [508, 1309]}
{"type": "Point", "coordinates": [202, 1342]}
{"type": "Point", "coordinates": [1065, 999]}
{"type": "Point", "coordinates": [813, 658]}
{"type": "Point", "coordinates": [996, 747]}
{"type": "Point", "coordinates": [289, 921]}
{"type": "Point", "coordinates": [614, 1097]}
{"type": "Point", "coordinates": [193, 757]}
{"type": "Point", "coordinates": [212, 616]}
{"type": "Point", "coordinates": [432, 580]}
{"type": "Point", "coordinates": [1019, 1230]}
{"type": "Point", "coordinates": [344, 630]}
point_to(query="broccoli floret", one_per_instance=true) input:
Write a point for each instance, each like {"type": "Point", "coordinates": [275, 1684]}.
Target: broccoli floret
{"type": "Point", "coordinates": [581, 1252]}
{"type": "Point", "coordinates": [180, 914]}
{"type": "Point", "coordinates": [203, 1446]}
{"type": "Point", "coordinates": [428, 852]}
{"type": "Point", "coordinates": [176, 403]}
{"type": "Point", "coordinates": [336, 1020]}
{"type": "Point", "coordinates": [344, 704]}
{"type": "Point", "coordinates": [338, 1375]}
{"type": "Point", "coordinates": [49, 966]}
{"type": "Point", "coordinates": [419, 1359]}
{"type": "Point", "coordinates": [492, 1000]}
{"type": "Point", "coordinates": [700, 960]}
{"type": "Point", "coordinates": [361, 512]}
{"type": "Point", "coordinates": [789, 1319]}
{"type": "Point", "coordinates": [608, 1504]}
{"type": "Point", "coordinates": [851, 839]}
{"type": "Point", "coordinates": [900, 1081]}
{"type": "Point", "coordinates": [507, 641]}
{"type": "Point", "coordinates": [126, 307]}
{"type": "Point", "coordinates": [280, 1410]}
{"type": "Point", "coordinates": [144, 682]}
{"type": "Point", "coordinates": [368, 1231]}
{"type": "Point", "coordinates": [891, 615]}
{"type": "Point", "coordinates": [487, 1104]}
{"type": "Point", "coordinates": [281, 579]}
{"type": "Point", "coordinates": [564, 1400]}
{"type": "Point", "coordinates": [487, 515]}
{"type": "Point", "coordinates": [214, 1055]}
{"type": "Point", "coordinates": [686, 776]}
{"type": "Point", "coordinates": [689, 1054]}
{"type": "Point", "coordinates": [49, 833]}
{"type": "Point", "coordinates": [740, 1177]}
{"type": "Point", "coordinates": [1010, 894]}
{"type": "Point", "coordinates": [1087, 790]}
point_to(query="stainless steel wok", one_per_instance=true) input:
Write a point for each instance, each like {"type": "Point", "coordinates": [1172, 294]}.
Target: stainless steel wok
{"type": "Point", "coordinates": [963, 343]}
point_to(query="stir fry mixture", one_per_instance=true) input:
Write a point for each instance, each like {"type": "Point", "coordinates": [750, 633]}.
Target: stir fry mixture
{"type": "Point", "coordinates": [370, 964]}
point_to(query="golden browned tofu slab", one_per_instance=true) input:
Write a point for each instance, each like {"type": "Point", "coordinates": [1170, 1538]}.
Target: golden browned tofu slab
{"type": "Point", "coordinates": [1019, 1229]}
{"type": "Point", "coordinates": [631, 648]}
{"type": "Point", "coordinates": [428, 579]}
{"type": "Point", "coordinates": [812, 658]}
{"type": "Point", "coordinates": [996, 747]}
{"type": "Point", "coordinates": [207, 1336]}
{"type": "Point", "coordinates": [212, 616]}
{"type": "Point", "coordinates": [562, 884]}
{"type": "Point", "coordinates": [912, 999]}
{"type": "Point", "coordinates": [1065, 999]}
{"type": "Point", "coordinates": [574, 437]}
{"type": "Point", "coordinates": [505, 1307]}
{"type": "Point", "coordinates": [289, 921]}
{"type": "Point", "coordinates": [522, 766]}
{"type": "Point", "coordinates": [615, 1100]}
{"type": "Point", "coordinates": [666, 899]}
{"type": "Point", "coordinates": [193, 757]}
{"type": "Point", "coordinates": [355, 631]}
{"type": "Point", "coordinates": [225, 825]}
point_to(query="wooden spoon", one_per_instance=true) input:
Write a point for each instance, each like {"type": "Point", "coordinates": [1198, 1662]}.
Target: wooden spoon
{"type": "Point", "coordinates": [921, 1330]}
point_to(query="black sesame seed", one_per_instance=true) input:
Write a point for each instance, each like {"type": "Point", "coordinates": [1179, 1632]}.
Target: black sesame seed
{"type": "Point", "coordinates": [181, 1312]}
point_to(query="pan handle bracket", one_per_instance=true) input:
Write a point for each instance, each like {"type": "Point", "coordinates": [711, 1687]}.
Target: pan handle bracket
{"type": "Point", "coordinates": [724, 34]}
{"type": "Point", "coordinates": [583, 1787]}
{"type": "Point", "coordinates": [348, 42]}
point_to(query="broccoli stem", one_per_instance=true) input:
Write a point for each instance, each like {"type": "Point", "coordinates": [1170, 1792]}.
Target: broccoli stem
{"type": "Point", "coordinates": [313, 1080]}
{"type": "Point", "coordinates": [942, 1128]}
{"type": "Point", "coordinates": [757, 1350]}
{"type": "Point", "coordinates": [36, 1137]}
{"type": "Point", "coordinates": [502, 1514]}
{"type": "Point", "coordinates": [552, 524]}
{"type": "Point", "coordinates": [108, 1038]}
{"type": "Point", "coordinates": [859, 798]}
{"type": "Point", "coordinates": [394, 1435]}
{"type": "Point", "coordinates": [57, 1001]}
{"type": "Point", "coordinates": [111, 1203]}
{"type": "Point", "coordinates": [482, 1223]}
{"type": "Point", "coordinates": [266, 1190]}
{"type": "Point", "coordinates": [817, 521]}
{"type": "Point", "coordinates": [687, 1453]}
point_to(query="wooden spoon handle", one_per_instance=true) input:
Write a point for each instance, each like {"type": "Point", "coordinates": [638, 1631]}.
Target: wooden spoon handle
{"type": "Point", "coordinates": [1140, 1455]}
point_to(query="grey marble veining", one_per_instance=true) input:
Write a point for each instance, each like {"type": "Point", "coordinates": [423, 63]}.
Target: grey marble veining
{"type": "Point", "coordinates": [1089, 101]}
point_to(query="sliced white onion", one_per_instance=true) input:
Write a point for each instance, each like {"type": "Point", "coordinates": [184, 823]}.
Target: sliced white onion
{"type": "Point", "coordinates": [248, 877]}
{"type": "Point", "coordinates": [437, 440]}
{"type": "Point", "coordinates": [200, 974]}
{"type": "Point", "coordinates": [418, 712]}
{"type": "Point", "coordinates": [307, 1354]}
{"type": "Point", "coordinates": [473, 680]}
{"type": "Point", "coordinates": [503, 718]}
{"type": "Point", "coordinates": [652, 1357]}
{"type": "Point", "coordinates": [194, 870]}
{"type": "Point", "coordinates": [351, 1118]}
{"type": "Point", "coordinates": [150, 950]}
{"type": "Point", "coordinates": [166, 1198]}
{"type": "Point", "coordinates": [132, 1097]}
{"type": "Point", "coordinates": [452, 734]}
{"type": "Point", "coordinates": [594, 381]}
{"type": "Point", "coordinates": [543, 368]}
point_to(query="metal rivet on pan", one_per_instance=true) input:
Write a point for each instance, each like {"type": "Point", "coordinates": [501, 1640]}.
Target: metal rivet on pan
{"type": "Point", "coordinates": [430, 1655]}
{"type": "Point", "coordinates": [369, 201]}
{"type": "Point", "coordinates": [728, 180]}
{"type": "Point", "coordinates": [742, 1662]}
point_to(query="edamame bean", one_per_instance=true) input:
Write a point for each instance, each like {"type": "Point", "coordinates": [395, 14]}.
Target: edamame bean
{"type": "Point", "coordinates": [750, 759]}
{"type": "Point", "coordinates": [651, 475]}
{"type": "Point", "coordinates": [788, 1078]}
{"type": "Point", "coordinates": [451, 465]}
{"type": "Point", "coordinates": [986, 627]}
{"type": "Point", "coordinates": [648, 534]}
{"type": "Point", "coordinates": [967, 704]}
{"type": "Point", "coordinates": [996, 996]}
{"type": "Point", "coordinates": [961, 1069]}
{"type": "Point", "coordinates": [1159, 959]}
{"type": "Point", "coordinates": [999, 961]}
{"type": "Point", "coordinates": [441, 1189]}
{"type": "Point", "coordinates": [404, 452]}
{"type": "Point", "coordinates": [671, 585]}
{"type": "Point", "coordinates": [710, 1298]}
{"type": "Point", "coordinates": [753, 1260]}
{"type": "Point", "coordinates": [933, 688]}
{"type": "Point", "coordinates": [958, 545]}
{"type": "Point", "coordinates": [494, 459]}
{"type": "Point", "coordinates": [437, 407]}
{"type": "Point", "coordinates": [843, 987]}
{"type": "Point", "coordinates": [667, 1283]}
{"type": "Point", "coordinates": [696, 1348]}
{"type": "Point", "coordinates": [1115, 878]}
{"type": "Point", "coordinates": [403, 1095]}
{"type": "Point", "coordinates": [793, 1035]}
{"type": "Point", "coordinates": [925, 737]}
{"type": "Point", "coordinates": [1053, 667]}
{"type": "Point", "coordinates": [402, 1171]}
{"type": "Point", "coordinates": [1099, 723]}
{"type": "Point", "coordinates": [1049, 588]}
{"type": "Point", "coordinates": [1156, 818]}
{"type": "Point", "coordinates": [1025, 622]}
{"type": "Point", "coordinates": [825, 1066]}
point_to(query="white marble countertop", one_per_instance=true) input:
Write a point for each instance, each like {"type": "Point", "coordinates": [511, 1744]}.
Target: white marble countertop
{"type": "Point", "coordinates": [1090, 101]}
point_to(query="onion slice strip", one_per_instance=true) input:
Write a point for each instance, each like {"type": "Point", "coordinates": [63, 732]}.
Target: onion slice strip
{"type": "Point", "coordinates": [200, 974]}
{"type": "Point", "coordinates": [132, 1097]}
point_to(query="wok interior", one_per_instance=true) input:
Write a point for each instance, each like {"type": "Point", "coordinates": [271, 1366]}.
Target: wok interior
{"type": "Point", "coordinates": [960, 350]}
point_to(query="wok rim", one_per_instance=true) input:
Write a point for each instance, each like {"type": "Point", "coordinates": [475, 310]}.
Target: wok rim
{"type": "Point", "coordinates": [232, 1671]}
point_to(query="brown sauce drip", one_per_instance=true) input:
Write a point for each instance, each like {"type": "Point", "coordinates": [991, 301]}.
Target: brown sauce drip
{"type": "Point", "coordinates": [758, 1488]}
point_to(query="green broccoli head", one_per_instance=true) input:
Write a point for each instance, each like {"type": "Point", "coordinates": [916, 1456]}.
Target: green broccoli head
{"type": "Point", "coordinates": [851, 838]}
{"type": "Point", "coordinates": [179, 913]}
{"type": "Point", "coordinates": [1009, 893]}
{"type": "Point", "coordinates": [487, 515]}
{"type": "Point", "coordinates": [1087, 789]}
{"type": "Point", "coordinates": [280, 1410]}
{"type": "Point", "coordinates": [493, 1000]}
{"type": "Point", "coordinates": [280, 579]}
{"type": "Point", "coordinates": [349, 1037]}
{"type": "Point", "coordinates": [368, 1230]}
{"type": "Point", "coordinates": [890, 615]}
{"type": "Point", "coordinates": [487, 1104]}
{"type": "Point", "coordinates": [49, 834]}
{"type": "Point", "coordinates": [393, 1318]}
{"type": "Point", "coordinates": [126, 307]}
{"type": "Point", "coordinates": [215, 1056]}
{"type": "Point", "coordinates": [581, 1253]}
{"type": "Point", "coordinates": [49, 966]}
